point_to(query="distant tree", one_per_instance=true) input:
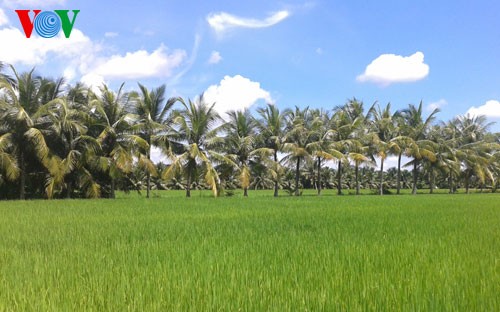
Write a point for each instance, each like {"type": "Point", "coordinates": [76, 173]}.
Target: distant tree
{"type": "Point", "coordinates": [322, 146]}
{"type": "Point", "coordinates": [271, 125]}
{"type": "Point", "coordinates": [416, 127]}
{"type": "Point", "coordinates": [20, 101]}
{"type": "Point", "coordinates": [118, 143]}
{"type": "Point", "coordinates": [152, 111]}
{"type": "Point", "coordinates": [298, 137]}
{"type": "Point", "coordinates": [195, 134]}
{"type": "Point", "coordinates": [241, 145]}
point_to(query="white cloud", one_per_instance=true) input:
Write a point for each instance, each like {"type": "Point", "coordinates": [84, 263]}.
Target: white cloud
{"type": "Point", "coordinates": [79, 55]}
{"type": "Point", "coordinates": [490, 109]}
{"type": "Point", "coordinates": [438, 104]}
{"type": "Point", "coordinates": [319, 51]}
{"type": "Point", "coordinates": [93, 81]}
{"type": "Point", "coordinates": [69, 73]}
{"type": "Point", "coordinates": [144, 32]}
{"type": "Point", "coordinates": [110, 34]}
{"type": "Point", "coordinates": [391, 68]}
{"type": "Point", "coordinates": [222, 21]}
{"type": "Point", "coordinates": [37, 50]}
{"type": "Point", "coordinates": [158, 156]}
{"type": "Point", "coordinates": [391, 162]}
{"type": "Point", "coordinates": [141, 64]}
{"type": "Point", "coordinates": [235, 93]}
{"type": "Point", "coordinates": [3, 18]}
{"type": "Point", "coordinates": [214, 58]}
{"type": "Point", "coordinates": [32, 3]}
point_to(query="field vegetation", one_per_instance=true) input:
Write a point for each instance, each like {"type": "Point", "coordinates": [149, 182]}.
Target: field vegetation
{"type": "Point", "coordinates": [310, 253]}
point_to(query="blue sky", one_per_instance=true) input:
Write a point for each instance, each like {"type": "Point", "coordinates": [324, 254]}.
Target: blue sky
{"type": "Point", "coordinates": [291, 53]}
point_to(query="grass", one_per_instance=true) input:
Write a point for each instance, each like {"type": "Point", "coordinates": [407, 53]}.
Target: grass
{"type": "Point", "coordinates": [328, 253]}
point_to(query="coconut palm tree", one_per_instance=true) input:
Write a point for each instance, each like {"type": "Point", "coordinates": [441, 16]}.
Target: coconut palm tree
{"type": "Point", "coordinates": [152, 113]}
{"type": "Point", "coordinates": [9, 167]}
{"type": "Point", "coordinates": [118, 144]}
{"type": "Point", "coordinates": [474, 151]}
{"type": "Point", "coordinates": [20, 101]}
{"type": "Point", "coordinates": [358, 155]}
{"type": "Point", "coordinates": [416, 127]}
{"type": "Point", "coordinates": [322, 146]}
{"type": "Point", "coordinates": [194, 137]}
{"type": "Point", "coordinates": [271, 127]}
{"type": "Point", "coordinates": [241, 145]}
{"type": "Point", "coordinates": [72, 150]}
{"type": "Point", "coordinates": [383, 127]}
{"type": "Point", "coordinates": [345, 125]}
{"type": "Point", "coordinates": [297, 138]}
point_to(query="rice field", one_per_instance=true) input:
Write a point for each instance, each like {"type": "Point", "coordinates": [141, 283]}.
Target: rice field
{"type": "Point", "coordinates": [328, 253]}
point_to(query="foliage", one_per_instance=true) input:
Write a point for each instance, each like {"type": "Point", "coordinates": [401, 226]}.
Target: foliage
{"type": "Point", "coordinates": [59, 141]}
{"type": "Point", "coordinates": [328, 253]}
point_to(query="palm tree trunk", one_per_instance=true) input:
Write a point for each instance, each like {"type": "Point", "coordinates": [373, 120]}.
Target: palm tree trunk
{"type": "Point", "coordinates": [414, 190]}
{"type": "Point", "coordinates": [398, 182]}
{"type": "Point", "coordinates": [148, 174]}
{"type": "Point", "coordinates": [276, 186]}
{"type": "Point", "coordinates": [112, 194]}
{"type": "Point", "coordinates": [339, 178]}
{"type": "Point", "coordinates": [297, 177]}
{"type": "Point", "coordinates": [431, 181]}
{"type": "Point", "coordinates": [356, 174]}
{"type": "Point", "coordinates": [245, 191]}
{"type": "Point", "coordinates": [69, 188]}
{"type": "Point", "coordinates": [188, 185]}
{"type": "Point", "coordinates": [467, 177]}
{"type": "Point", "coordinates": [22, 182]}
{"type": "Point", "coordinates": [450, 182]}
{"type": "Point", "coordinates": [148, 184]}
{"type": "Point", "coordinates": [381, 190]}
{"type": "Point", "coordinates": [319, 176]}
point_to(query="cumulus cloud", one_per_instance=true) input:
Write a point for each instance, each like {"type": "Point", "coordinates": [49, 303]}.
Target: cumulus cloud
{"type": "Point", "coordinates": [80, 55]}
{"type": "Point", "coordinates": [92, 80]}
{"type": "Point", "coordinates": [214, 58]}
{"type": "Point", "coordinates": [391, 68]}
{"type": "Point", "coordinates": [110, 34]}
{"type": "Point", "coordinates": [235, 93]}
{"type": "Point", "coordinates": [37, 50]}
{"type": "Point", "coordinates": [141, 64]}
{"type": "Point", "coordinates": [490, 109]}
{"type": "Point", "coordinates": [221, 22]}
{"type": "Point", "coordinates": [438, 104]}
{"type": "Point", "coordinates": [3, 18]}
{"type": "Point", "coordinates": [69, 73]}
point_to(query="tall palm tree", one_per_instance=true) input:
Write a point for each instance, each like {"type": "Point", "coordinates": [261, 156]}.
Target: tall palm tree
{"type": "Point", "coordinates": [474, 152]}
{"type": "Point", "coordinates": [416, 127]}
{"type": "Point", "coordinates": [384, 128]}
{"type": "Point", "coordinates": [118, 144]}
{"type": "Point", "coordinates": [358, 155]}
{"type": "Point", "coordinates": [241, 145]}
{"type": "Point", "coordinates": [21, 99]}
{"type": "Point", "coordinates": [322, 146]}
{"type": "Point", "coordinates": [72, 150]}
{"type": "Point", "coordinates": [345, 125]}
{"type": "Point", "coordinates": [271, 127]}
{"type": "Point", "coordinates": [9, 167]}
{"type": "Point", "coordinates": [194, 136]}
{"type": "Point", "coordinates": [152, 112]}
{"type": "Point", "coordinates": [297, 138]}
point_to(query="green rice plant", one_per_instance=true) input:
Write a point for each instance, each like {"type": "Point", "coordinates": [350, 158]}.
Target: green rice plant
{"type": "Point", "coordinates": [308, 253]}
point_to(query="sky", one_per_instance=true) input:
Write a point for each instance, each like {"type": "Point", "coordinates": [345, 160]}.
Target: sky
{"type": "Point", "coordinates": [243, 54]}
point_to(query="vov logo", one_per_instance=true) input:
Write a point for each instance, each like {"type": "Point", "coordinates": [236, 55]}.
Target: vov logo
{"type": "Point", "coordinates": [47, 24]}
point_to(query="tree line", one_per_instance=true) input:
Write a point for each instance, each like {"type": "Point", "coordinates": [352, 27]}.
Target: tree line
{"type": "Point", "coordinates": [61, 141]}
